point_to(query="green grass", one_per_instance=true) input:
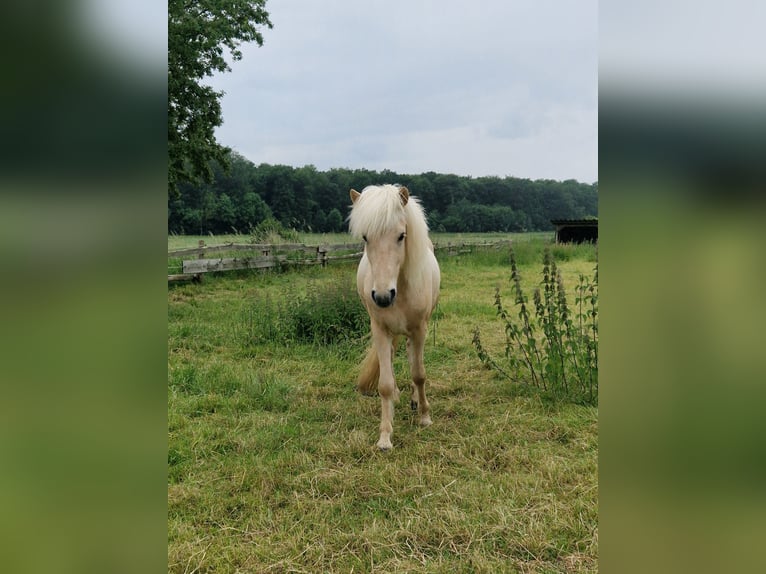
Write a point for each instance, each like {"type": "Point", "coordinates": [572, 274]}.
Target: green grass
{"type": "Point", "coordinates": [272, 465]}
{"type": "Point", "coordinates": [187, 241]}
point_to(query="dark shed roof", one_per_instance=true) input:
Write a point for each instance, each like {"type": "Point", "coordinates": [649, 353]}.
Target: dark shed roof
{"type": "Point", "coordinates": [576, 230]}
{"type": "Point", "coordinates": [574, 222]}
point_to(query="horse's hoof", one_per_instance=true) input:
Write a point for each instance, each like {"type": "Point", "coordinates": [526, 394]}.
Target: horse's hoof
{"type": "Point", "coordinates": [425, 421]}
{"type": "Point", "coordinates": [384, 445]}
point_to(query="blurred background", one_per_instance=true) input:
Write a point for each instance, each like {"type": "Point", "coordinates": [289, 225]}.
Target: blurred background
{"type": "Point", "coordinates": [82, 296]}
{"type": "Point", "coordinates": [682, 143]}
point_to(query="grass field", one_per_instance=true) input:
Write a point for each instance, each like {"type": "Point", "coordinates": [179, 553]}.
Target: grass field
{"type": "Point", "coordinates": [272, 465]}
{"type": "Point", "coordinates": [184, 241]}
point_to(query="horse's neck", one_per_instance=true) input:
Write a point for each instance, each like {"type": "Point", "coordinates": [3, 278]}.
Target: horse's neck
{"type": "Point", "coordinates": [415, 270]}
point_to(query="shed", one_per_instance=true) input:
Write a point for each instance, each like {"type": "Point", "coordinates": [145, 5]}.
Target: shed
{"type": "Point", "coordinates": [576, 230]}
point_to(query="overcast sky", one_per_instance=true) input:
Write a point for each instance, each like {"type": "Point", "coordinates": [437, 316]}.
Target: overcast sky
{"type": "Point", "coordinates": [493, 87]}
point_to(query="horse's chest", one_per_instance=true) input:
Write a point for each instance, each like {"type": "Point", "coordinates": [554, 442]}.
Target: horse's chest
{"type": "Point", "coordinates": [397, 320]}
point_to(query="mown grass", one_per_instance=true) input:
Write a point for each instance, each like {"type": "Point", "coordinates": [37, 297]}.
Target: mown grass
{"type": "Point", "coordinates": [271, 459]}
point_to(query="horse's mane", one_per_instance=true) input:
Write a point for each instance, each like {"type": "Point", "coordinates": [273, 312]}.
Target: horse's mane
{"type": "Point", "coordinates": [378, 209]}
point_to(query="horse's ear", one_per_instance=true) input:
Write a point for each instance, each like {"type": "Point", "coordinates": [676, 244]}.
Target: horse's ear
{"type": "Point", "coordinates": [354, 195]}
{"type": "Point", "coordinates": [404, 195]}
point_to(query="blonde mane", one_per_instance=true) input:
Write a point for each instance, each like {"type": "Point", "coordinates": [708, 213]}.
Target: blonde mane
{"type": "Point", "coordinates": [378, 209]}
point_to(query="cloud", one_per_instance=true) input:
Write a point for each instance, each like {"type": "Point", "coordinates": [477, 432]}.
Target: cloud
{"type": "Point", "coordinates": [491, 88]}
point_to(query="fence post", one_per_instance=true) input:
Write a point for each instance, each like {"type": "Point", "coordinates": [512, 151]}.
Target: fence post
{"type": "Point", "coordinates": [201, 245]}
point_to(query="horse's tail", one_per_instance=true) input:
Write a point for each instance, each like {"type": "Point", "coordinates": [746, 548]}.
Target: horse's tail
{"type": "Point", "coordinates": [369, 375]}
{"type": "Point", "coordinates": [367, 383]}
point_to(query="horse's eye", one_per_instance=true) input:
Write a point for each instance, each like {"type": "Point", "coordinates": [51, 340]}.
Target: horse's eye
{"type": "Point", "coordinates": [401, 237]}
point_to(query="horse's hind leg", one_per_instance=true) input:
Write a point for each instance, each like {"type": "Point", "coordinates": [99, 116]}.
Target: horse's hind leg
{"type": "Point", "coordinates": [413, 388]}
{"type": "Point", "coordinates": [415, 347]}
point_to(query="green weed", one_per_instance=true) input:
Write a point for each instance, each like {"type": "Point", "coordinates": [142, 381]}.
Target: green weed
{"type": "Point", "coordinates": [557, 347]}
{"type": "Point", "coordinates": [273, 232]}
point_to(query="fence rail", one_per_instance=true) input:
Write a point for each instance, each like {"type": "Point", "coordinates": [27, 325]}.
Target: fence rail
{"type": "Point", "coordinates": [262, 248]}
{"type": "Point", "coordinates": [265, 256]}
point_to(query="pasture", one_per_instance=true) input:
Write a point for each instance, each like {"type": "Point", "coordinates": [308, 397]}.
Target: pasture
{"type": "Point", "coordinates": [272, 463]}
{"type": "Point", "coordinates": [184, 241]}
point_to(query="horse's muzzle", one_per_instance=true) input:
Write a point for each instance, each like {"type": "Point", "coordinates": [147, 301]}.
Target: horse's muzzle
{"type": "Point", "coordinates": [384, 299]}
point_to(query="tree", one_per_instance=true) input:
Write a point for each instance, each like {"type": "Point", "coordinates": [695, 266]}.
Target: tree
{"type": "Point", "coordinates": [225, 214]}
{"type": "Point", "coordinates": [319, 224]}
{"type": "Point", "coordinates": [198, 32]}
{"type": "Point", "coordinates": [307, 199]}
{"type": "Point", "coordinates": [334, 221]}
{"type": "Point", "coordinates": [253, 211]}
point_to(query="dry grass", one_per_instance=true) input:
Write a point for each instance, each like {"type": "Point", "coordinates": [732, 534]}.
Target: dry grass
{"type": "Point", "coordinates": [272, 464]}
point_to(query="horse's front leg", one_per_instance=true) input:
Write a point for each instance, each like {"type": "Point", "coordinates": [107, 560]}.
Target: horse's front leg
{"type": "Point", "coordinates": [415, 348]}
{"type": "Point", "coordinates": [386, 386]}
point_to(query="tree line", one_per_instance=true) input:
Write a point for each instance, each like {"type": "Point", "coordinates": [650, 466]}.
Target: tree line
{"type": "Point", "coordinates": [306, 199]}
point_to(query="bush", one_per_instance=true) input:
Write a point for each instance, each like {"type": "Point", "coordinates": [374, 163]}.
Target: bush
{"type": "Point", "coordinates": [555, 346]}
{"type": "Point", "coordinates": [272, 231]}
{"type": "Point", "coordinates": [328, 314]}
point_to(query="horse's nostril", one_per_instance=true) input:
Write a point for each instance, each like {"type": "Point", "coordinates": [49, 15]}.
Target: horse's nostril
{"type": "Point", "coordinates": [393, 294]}
{"type": "Point", "coordinates": [383, 300]}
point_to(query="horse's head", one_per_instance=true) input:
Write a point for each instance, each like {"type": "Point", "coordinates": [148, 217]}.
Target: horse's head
{"type": "Point", "coordinates": [384, 245]}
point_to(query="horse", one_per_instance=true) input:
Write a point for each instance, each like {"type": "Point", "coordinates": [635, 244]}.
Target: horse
{"type": "Point", "coordinates": [398, 281]}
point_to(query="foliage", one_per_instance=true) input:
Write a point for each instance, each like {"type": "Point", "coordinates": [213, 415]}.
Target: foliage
{"type": "Point", "coordinates": [557, 347]}
{"type": "Point", "coordinates": [272, 231]}
{"type": "Point", "coordinates": [229, 204]}
{"type": "Point", "coordinates": [466, 216]}
{"type": "Point", "coordinates": [325, 314]}
{"type": "Point", "coordinates": [198, 32]}
{"type": "Point", "coordinates": [310, 200]}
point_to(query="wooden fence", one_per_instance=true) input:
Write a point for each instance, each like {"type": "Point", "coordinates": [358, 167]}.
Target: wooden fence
{"type": "Point", "coordinates": [265, 256]}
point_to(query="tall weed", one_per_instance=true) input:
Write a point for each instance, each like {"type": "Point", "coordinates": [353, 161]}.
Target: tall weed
{"type": "Point", "coordinates": [272, 231]}
{"type": "Point", "coordinates": [326, 314]}
{"type": "Point", "coordinates": [552, 346]}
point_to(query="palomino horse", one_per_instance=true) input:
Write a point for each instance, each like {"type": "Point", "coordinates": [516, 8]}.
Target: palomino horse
{"type": "Point", "coordinates": [398, 282]}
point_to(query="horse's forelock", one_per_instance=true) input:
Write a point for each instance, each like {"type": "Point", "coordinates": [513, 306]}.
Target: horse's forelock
{"type": "Point", "coordinates": [377, 210]}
